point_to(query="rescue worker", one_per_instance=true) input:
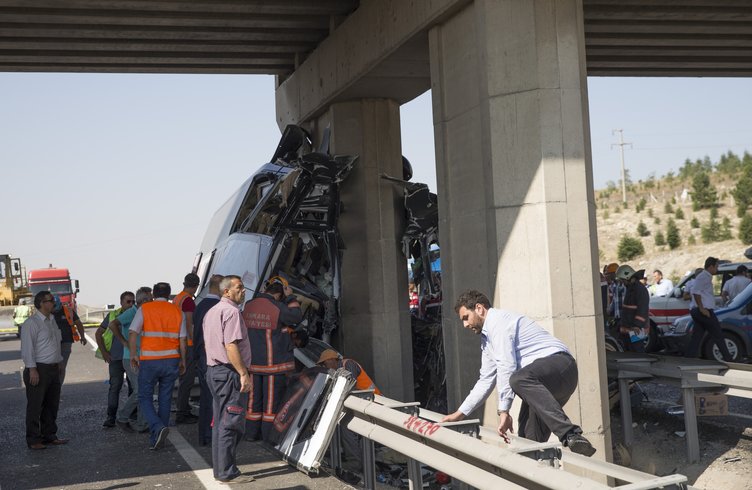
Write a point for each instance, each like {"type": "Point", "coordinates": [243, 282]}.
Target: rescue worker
{"type": "Point", "coordinates": [66, 318]}
{"type": "Point", "coordinates": [184, 300]}
{"type": "Point", "coordinates": [634, 324]}
{"type": "Point", "coordinates": [161, 326]}
{"type": "Point", "coordinates": [21, 313]}
{"type": "Point", "coordinates": [330, 359]}
{"type": "Point", "coordinates": [269, 317]}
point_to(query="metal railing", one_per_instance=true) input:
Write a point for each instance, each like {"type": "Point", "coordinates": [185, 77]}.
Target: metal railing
{"type": "Point", "coordinates": [475, 455]}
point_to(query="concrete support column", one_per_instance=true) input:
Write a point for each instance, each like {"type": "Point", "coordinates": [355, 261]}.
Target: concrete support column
{"type": "Point", "coordinates": [375, 313]}
{"type": "Point", "coordinates": [515, 185]}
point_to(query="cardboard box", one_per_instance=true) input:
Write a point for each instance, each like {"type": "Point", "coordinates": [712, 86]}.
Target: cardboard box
{"type": "Point", "coordinates": [711, 404]}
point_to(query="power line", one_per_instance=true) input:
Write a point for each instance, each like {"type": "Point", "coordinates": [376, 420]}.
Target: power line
{"type": "Point", "coordinates": [621, 144]}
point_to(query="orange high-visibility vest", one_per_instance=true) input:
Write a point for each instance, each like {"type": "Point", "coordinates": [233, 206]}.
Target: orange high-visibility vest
{"type": "Point", "coordinates": [178, 300]}
{"type": "Point", "coordinates": [363, 381]}
{"type": "Point", "coordinates": [160, 337]}
{"type": "Point", "coordinates": [69, 316]}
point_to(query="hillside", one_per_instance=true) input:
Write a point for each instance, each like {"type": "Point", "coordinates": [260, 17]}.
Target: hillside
{"type": "Point", "coordinates": [614, 220]}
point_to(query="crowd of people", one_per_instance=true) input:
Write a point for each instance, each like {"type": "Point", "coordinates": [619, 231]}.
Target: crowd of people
{"type": "Point", "coordinates": [241, 351]}
{"type": "Point", "coordinates": [626, 302]}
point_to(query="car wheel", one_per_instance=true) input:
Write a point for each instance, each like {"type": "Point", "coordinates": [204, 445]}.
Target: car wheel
{"type": "Point", "coordinates": [733, 344]}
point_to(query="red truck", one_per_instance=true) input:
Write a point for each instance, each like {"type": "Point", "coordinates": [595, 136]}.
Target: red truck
{"type": "Point", "coordinates": [55, 280]}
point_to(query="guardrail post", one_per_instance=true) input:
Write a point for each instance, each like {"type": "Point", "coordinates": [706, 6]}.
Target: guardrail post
{"type": "Point", "coordinates": [414, 474]}
{"type": "Point", "coordinates": [625, 403]}
{"type": "Point", "coordinates": [369, 464]}
{"type": "Point", "coordinates": [690, 425]}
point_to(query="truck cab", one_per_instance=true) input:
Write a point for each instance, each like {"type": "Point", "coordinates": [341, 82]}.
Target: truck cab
{"type": "Point", "coordinates": [55, 280]}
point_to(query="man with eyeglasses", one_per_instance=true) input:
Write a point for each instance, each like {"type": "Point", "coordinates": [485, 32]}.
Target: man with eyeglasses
{"type": "Point", "coordinates": [112, 353]}
{"type": "Point", "coordinates": [42, 358]}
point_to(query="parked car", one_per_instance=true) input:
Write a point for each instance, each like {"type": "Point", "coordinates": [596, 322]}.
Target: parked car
{"type": "Point", "coordinates": [665, 309]}
{"type": "Point", "coordinates": [736, 323]}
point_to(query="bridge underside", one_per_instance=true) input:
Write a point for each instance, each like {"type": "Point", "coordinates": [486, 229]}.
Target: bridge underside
{"type": "Point", "coordinates": [622, 37]}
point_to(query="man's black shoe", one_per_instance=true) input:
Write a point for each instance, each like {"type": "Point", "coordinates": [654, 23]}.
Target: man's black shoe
{"type": "Point", "coordinates": [125, 426]}
{"type": "Point", "coordinates": [186, 419]}
{"type": "Point", "coordinates": [578, 444]}
{"type": "Point", "coordinates": [109, 423]}
{"type": "Point", "coordinates": [240, 479]}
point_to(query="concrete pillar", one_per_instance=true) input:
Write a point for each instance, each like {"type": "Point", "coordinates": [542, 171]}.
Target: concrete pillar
{"type": "Point", "coordinates": [515, 185]}
{"type": "Point", "coordinates": [375, 313]}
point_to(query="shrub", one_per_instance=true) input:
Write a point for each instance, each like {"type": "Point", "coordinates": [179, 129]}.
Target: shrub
{"type": "Point", "coordinates": [725, 232]}
{"type": "Point", "coordinates": [712, 232]}
{"type": "Point", "coordinates": [745, 230]}
{"type": "Point", "coordinates": [650, 212]}
{"type": "Point", "coordinates": [657, 220]}
{"type": "Point", "coordinates": [691, 240]}
{"type": "Point", "coordinates": [695, 223]}
{"type": "Point", "coordinates": [668, 209]}
{"type": "Point", "coordinates": [672, 235]}
{"type": "Point", "coordinates": [629, 248]}
{"type": "Point", "coordinates": [660, 240]}
{"type": "Point", "coordinates": [679, 214]}
{"type": "Point", "coordinates": [642, 230]}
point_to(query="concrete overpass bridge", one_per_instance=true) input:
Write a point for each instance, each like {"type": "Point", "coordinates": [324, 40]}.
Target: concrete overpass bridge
{"type": "Point", "coordinates": [510, 115]}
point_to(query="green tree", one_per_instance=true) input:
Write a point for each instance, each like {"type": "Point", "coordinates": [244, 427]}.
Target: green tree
{"type": "Point", "coordinates": [714, 213]}
{"type": "Point", "coordinates": [679, 214]}
{"type": "Point", "coordinates": [745, 230]}
{"type": "Point", "coordinates": [660, 240]}
{"type": "Point", "coordinates": [642, 230]}
{"type": "Point", "coordinates": [712, 232]}
{"type": "Point", "coordinates": [629, 248]}
{"type": "Point", "coordinates": [657, 220]}
{"type": "Point", "coordinates": [691, 240]}
{"type": "Point", "coordinates": [667, 208]}
{"type": "Point", "coordinates": [743, 191]}
{"type": "Point", "coordinates": [729, 163]}
{"type": "Point", "coordinates": [650, 212]}
{"type": "Point", "coordinates": [725, 233]}
{"type": "Point", "coordinates": [695, 223]}
{"type": "Point", "coordinates": [672, 234]}
{"type": "Point", "coordinates": [704, 195]}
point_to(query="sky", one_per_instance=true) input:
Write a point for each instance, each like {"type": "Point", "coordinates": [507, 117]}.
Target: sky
{"type": "Point", "coordinates": [117, 176]}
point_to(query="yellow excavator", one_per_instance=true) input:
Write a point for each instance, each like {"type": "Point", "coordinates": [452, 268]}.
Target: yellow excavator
{"type": "Point", "coordinates": [14, 290]}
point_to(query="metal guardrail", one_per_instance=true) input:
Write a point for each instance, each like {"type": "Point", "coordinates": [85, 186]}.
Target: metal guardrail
{"type": "Point", "coordinates": [475, 455]}
{"type": "Point", "coordinates": [687, 373]}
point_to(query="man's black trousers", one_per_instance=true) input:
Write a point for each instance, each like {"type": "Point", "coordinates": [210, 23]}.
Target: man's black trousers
{"type": "Point", "coordinates": [42, 402]}
{"type": "Point", "coordinates": [544, 386]}
{"type": "Point", "coordinates": [229, 406]}
{"type": "Point", "coordinates": [713, 327]}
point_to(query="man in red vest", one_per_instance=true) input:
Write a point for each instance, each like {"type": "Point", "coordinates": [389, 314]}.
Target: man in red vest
{"type": "Point", "coordinates": [269, 317]}
{"type": "Point", "coordinates": [184, 301]}
{"type": "Point", "coordinates": [161, 326]}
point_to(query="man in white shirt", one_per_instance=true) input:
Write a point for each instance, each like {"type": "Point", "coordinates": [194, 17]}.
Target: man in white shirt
{"type": "Point", "coordinates": [736, 284]}
{"type": "Point", "coordinates": [701, 308]}
{"type": "Point", "coordinates": [42, 358]}
{"type": "Point", "coordinates": [660, 286]}
{"type": "Point", "coordinates": [523, 359]}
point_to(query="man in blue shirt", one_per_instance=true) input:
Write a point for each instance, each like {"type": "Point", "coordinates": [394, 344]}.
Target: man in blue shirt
{"type": "Point", "coordinates": [521, 358]}
{"type": "Point", "coordinates": [119, 327]}
{"type": "Point", "coordinates": [199, 355]}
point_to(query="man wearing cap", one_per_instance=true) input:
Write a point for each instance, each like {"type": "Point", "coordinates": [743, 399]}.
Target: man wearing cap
{"type": "Point", "coordinates": [184, 301]}
{"type": "Point", "coordinates": [521, 358]}
{"type": "Point", "coordinates": [701, 308]}
{"type": "Point", "coordinates": [269, 317]}
{"type": "Point", "coordinates": [228, 355]}
{"type": "Point", "coordinates": [634, 323]}
{"type": "Point", "coordinates": [330, 359]}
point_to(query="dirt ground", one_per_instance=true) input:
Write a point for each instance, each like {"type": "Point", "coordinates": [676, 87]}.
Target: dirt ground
{"type": "Point", "coordinates": [660, 447]}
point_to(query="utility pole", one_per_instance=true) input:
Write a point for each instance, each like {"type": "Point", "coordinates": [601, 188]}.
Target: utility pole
{"type": "Point", "coordinates": [621, 144]}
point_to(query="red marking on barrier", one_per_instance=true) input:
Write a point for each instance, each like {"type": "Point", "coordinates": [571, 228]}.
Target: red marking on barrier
{"type": "Point", "coordinates": [423, 427]}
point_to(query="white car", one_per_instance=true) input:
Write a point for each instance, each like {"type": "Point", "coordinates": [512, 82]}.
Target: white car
{"type": "Point", "coordinates": [665, 309]}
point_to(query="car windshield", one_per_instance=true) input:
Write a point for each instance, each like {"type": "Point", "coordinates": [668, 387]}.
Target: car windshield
{"type": "Point", "coordinates": [56, 288]}
{"type": "Point", "coordinates": [741, 298]}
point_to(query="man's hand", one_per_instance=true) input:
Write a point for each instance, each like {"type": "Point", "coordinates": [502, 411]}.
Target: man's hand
{"type": "Point", "coordinates": [83, 340]}
{"type": "Point", "coordinates": [181, 367]}
{"type": "Point", "coordinates": [106, 356]}
{"type": "Point", "coordinates": [134, 364]}
{"type": "Point", "coordinates": [454, 417]}
{"type": "Point", "coordinates": [505, 424]}
{"type": "Point", "coordinates": [246, 383]}
{"type": "Point", "coordinates": [705, 312]}
{"type": "Point", "coordinates": [33, 376]}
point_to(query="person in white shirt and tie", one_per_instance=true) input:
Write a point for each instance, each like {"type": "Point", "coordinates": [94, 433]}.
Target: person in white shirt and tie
{"type": "Point", "coordinates": [523, 359]}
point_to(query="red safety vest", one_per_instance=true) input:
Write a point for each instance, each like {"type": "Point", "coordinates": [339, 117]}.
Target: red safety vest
{"type": "Point", "coordinates": [160, 337]}
{"type": "Point", "coordinates": [178, 300]}
{"type": "Point", "coordinates": [69, 317]}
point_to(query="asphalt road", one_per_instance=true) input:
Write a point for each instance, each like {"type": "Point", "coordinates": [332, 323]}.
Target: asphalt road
{"type": "Point", "coordinates": [100, 458]}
